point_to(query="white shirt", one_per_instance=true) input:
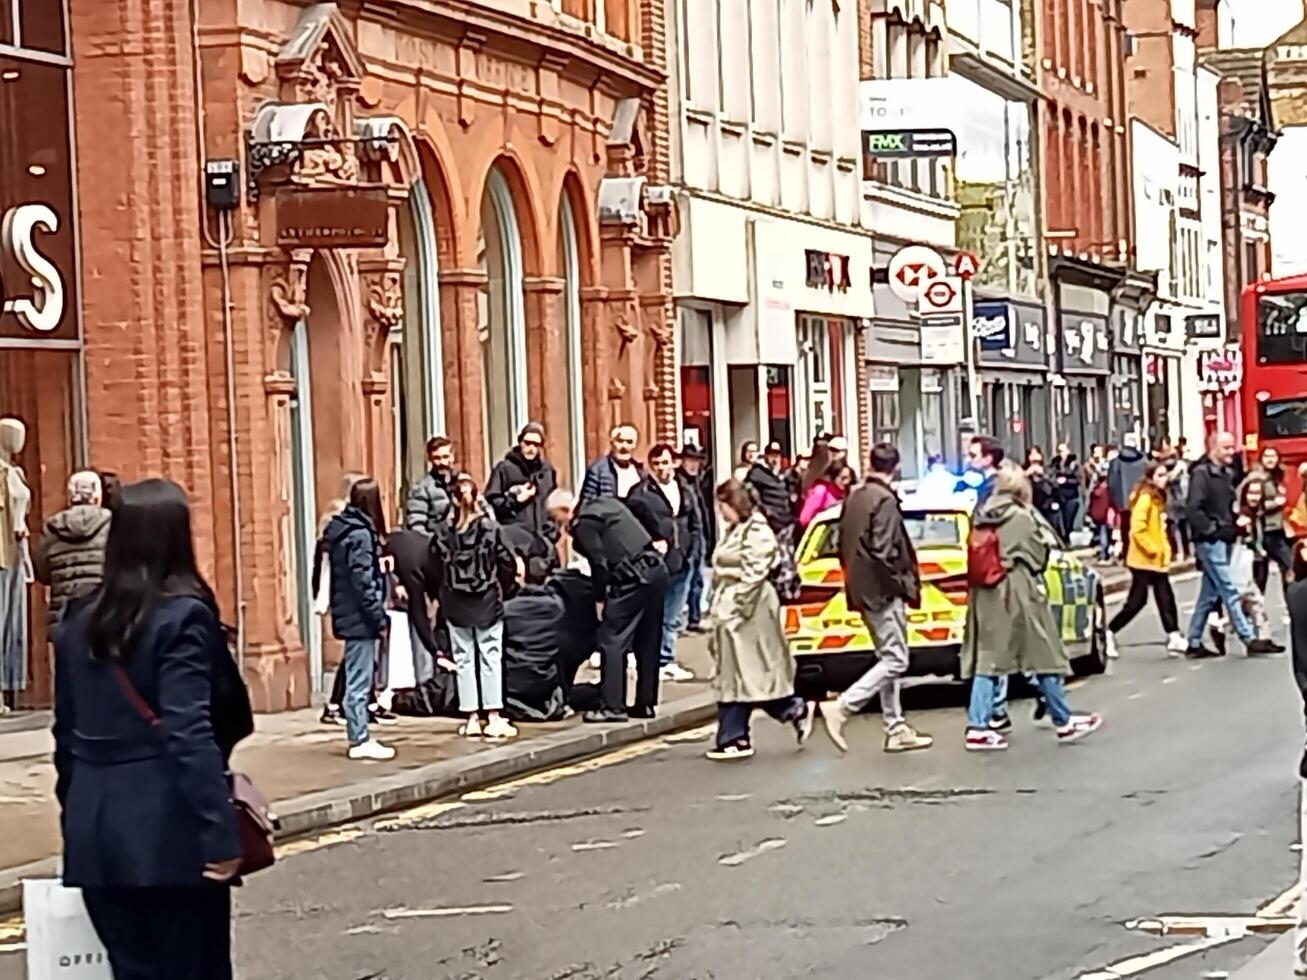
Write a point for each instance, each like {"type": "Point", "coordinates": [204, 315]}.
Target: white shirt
{"type": "Point", "coordinates": [672, 491]}
{"type": "Point", "coordinates": [627, 477]}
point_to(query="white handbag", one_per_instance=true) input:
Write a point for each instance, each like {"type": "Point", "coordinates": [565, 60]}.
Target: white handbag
{"type": "Point", "coordinates": [61, 941]}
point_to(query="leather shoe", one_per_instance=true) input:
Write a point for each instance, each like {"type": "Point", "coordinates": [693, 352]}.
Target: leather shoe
{"type": "Point", "coordinates": [641, 712]}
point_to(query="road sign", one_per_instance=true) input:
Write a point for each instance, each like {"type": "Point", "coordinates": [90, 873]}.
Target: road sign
{"type": "Point", "coordinates": [902, 144]}
{"type": "Point", "coordinates": [943, 345]}
{"type": "Point", "coordinates": [941, 297]}
{"type": "Point", "coordinates": [966, 265]}
{"type": "Point", "coordinates": [913, 268]}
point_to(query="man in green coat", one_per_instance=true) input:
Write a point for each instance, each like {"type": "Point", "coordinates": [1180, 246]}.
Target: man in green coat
{"type": "Point", "coordinates": [1010, 627]}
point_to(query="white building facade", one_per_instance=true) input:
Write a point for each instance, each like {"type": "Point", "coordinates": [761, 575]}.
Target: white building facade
{"type": "Point", "coordinates": [773, 266]}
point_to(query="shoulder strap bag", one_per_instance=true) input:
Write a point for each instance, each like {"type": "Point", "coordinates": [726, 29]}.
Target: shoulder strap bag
{"type": "Point", "coordinates": [255, 821]}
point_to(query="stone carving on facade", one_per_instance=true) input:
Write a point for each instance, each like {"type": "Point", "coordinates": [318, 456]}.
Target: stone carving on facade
{"type": "Point", "coordinates": [385, 293]}
{"type": "Point", "coordinates": [289, 291]}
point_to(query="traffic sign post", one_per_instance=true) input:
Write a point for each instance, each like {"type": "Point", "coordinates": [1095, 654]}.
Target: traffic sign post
{"type": "Point", "coordinates": [912, 269]}
{"type": "Point", "coordinates": [941, 309]}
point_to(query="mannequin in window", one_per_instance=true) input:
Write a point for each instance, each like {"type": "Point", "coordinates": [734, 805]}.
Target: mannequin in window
{"type": "Point", "coordinates": [15, 566]}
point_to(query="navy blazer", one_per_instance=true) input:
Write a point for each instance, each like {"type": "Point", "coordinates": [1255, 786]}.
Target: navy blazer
{"type": "Point", "coordinates": [146, 806]}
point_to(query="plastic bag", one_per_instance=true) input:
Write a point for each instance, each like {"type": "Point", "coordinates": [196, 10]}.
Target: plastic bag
{"type": "Point", "coordinates": [61, 941]}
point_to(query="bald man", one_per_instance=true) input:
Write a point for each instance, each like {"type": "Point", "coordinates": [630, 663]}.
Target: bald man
{"type": "Point", "coordinates": [1210, 510]}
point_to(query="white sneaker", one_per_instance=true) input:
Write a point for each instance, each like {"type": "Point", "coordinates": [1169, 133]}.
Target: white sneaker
{"type": "Point", "coordinates": [834, 716]}
{"type": "Point", "coordinates": [1113, 652]}
{"type": "Point", "coordinates": [1176, 645]}
{"type": "Point", "coordinates": [630, 662]}
{"type": "Point", "coordinates": [595, 661]}
{"type": "Point", "coordinates": [499, 728]}
{"type": "Point", "coordinates": [371, 751]}
{"type": "Point", "coordinates": [675, 672]}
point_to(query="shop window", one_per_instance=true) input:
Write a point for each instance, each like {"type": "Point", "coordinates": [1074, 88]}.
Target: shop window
{"type": "Point", "coordinates": [885, 416]}
{"type": "Point", "coordinates": [780, 408]}
{"type": "Point", "coordinates": [932, 413]}
{"type": "Point", "coordinates": [502, 319]}
{"type": "Point", "coordinates": [41, 388]}
{"type": "Point", "coordinates": [695, 347]}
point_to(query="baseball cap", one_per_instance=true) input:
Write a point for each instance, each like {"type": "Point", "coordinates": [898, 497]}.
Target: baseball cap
{"type": "Point", "coordinates": [839, 444]}
{"type": "Point", "coordinates": [773, 449]}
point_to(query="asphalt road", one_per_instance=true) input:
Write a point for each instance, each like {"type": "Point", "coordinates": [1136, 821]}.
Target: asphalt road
{"type": "Point", "coordinates": [655, 864]}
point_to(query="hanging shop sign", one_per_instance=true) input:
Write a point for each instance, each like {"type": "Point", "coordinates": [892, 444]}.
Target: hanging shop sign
{"type": "Point", "coordinates": [992, 326]}
{"type": "Point", "coordinates": [1203, 325]}
{"type": "Point", "coordinates": [827, 270]}
{"type": "Point", "coordinates": [38, 241]}
{"type": "Point", "coordinates": [902, 144]}
{"type": "Point", "coordinates": [1220, 370]}
{"type": "Point", "coordinates": [912, 269]}
{"type": "Point", "coordinates": [333, 217]}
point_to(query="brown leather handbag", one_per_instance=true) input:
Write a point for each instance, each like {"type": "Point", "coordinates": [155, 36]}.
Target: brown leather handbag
{"type": "Point", "coordinates": [255, 820]}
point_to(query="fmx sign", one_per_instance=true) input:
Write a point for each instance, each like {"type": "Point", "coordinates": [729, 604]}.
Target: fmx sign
{"type": "Point", "coordinates": [889, 144]}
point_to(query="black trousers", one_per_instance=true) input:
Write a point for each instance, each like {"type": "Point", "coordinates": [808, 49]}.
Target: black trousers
{"type": "Point", "coordinates": [1177, 533]}
{"type": "Point", "coordinates": [164, 933]}
{"type": "Point", "coordinates": [1279, 550]}
{"type": "Point", "coordinates": [1140, 583]}
{"type": "Point", "coordinates": [633, 620]}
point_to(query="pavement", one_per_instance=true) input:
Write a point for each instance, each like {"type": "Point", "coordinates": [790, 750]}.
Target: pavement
{"type": "Point", "coordinates": [1163, 846]}
{"type": "Point", "coordinates": [1273, 963]}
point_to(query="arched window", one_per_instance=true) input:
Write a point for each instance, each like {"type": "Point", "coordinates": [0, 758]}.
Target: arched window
{"type": "Point", "coordinates": [502, 319]}
{"type": "Point", "coordinates": [418, 370]}
{"type": "Point", "coordinates": [571, 266]}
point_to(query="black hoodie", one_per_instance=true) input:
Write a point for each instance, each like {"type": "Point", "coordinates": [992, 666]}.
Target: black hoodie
{"type": "Point", "coordinates": [515, 470]}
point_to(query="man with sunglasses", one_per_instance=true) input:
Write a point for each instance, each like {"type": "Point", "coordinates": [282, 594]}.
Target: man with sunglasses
{"type": "Point", "coordinates": [521, 482]}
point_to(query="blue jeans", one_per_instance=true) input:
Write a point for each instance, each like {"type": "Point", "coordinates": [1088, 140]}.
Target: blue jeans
{"type": "Point", "coordinates": [1217, 590]}
{"type": "Point", "coordinates": [678, 588]}
{"type": "Point", "coordinates": [1104, 541]}
{"type": "Point", "coordinates": [360, 657]}
{"type": "Point", "coordinates": [984, 689]}
{"type": "Point", "coordinates": [733, 717]}
{"type": "Point", "coordinates": [479, 660]}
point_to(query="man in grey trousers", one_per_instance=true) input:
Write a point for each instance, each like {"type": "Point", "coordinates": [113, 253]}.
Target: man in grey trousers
{"type": "Point", "coordinates": [881, 579]}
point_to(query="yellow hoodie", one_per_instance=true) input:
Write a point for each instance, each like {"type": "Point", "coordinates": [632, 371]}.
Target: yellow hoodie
{"type": "Point", "coordinates": [1149, 550]}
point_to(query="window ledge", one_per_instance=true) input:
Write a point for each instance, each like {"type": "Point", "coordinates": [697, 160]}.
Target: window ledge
{"type": "Point", "coordinates": [703, 117]}
{"type": "Point", "coordinates": [822, 157]}
{"type": "Point", "coordinates": [764, 138]}
{"type": "Point", "coordinates": [732, 128]}
{"type": "Point", "coordinates": [910, 200]}
{"type": "Point", "coordinates": [794, 148]}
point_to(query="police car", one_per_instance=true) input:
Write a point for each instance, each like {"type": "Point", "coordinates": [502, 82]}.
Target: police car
{"type": "Point", "coordinates": [831, 644]}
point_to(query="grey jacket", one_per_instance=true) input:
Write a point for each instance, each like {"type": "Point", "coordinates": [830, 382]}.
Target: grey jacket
{"type": "Point", "coordinates": [70, 556]}
{"type": "Point", "coordinates": [428, 504]}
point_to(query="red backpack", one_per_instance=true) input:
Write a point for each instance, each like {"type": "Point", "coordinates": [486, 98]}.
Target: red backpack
{"type": "Point", "coordinates": [984, 560]}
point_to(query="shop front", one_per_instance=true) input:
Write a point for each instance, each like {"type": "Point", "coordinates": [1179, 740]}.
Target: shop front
{"type": "Point", "coordinates": [1220, 376]}
{"type": "Point", "coordinates": [1081, 398]}
{"type": "Point", "coordinates": [1128, 375]}
{"type": "Point", "coordinates": [1014, 405]}
{"type": "Point", "coordinates": [1163, 373]}
{"type": "Point", "coordinates": [41, 407]}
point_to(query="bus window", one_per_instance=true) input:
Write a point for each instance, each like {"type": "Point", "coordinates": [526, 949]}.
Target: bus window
{"type": "Point", "coordinates": [1282, 328]}
{"type": "Point", "coordinates": [1284, 418]}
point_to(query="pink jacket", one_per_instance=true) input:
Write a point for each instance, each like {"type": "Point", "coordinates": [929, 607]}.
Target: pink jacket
{"type": "Point", "coordinates": [822, 496]}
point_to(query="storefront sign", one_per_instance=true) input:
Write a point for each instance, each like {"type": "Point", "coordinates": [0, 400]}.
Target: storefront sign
{"type": "Point", "coordinates": [882, 377]}
{"type": "Point", "coordinates": [829, 271]}
{"type": "Point", "coordinates": [1126, 335]}
{"type": "Point", "coordinates": [333, 217]}
{"type": "Point", "coordinates": [943, 345]}
{"type": "Point", "coordinates": [1084, 343]}
{"type": "Point", "coordinates": [991, 325]}
{"type": "Point", "coordinates": [1010, 334]}
{"type": "Point", "coordinates": [1204, 325]}
{"type": "Point", "coordinates": [1220, 370]}
{"type": "Point", "coordinates": [38, 252]}
{"type": "Point", "coordinates": [901, 144]}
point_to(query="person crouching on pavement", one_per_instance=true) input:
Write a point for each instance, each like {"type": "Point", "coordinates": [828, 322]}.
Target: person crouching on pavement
{"type": "Point", "coordinates": [629, 578]}
{"type": "Point", "coordinates": [1148, 556]}
{"type": "Point", "coordinates": [883, 579]}
{"type": "Point", "coordinates": [476, 572]}
{"type": "Point", "coordinates": [1010, 628]}
{"type": "Point", "coordinates": [754, 667]}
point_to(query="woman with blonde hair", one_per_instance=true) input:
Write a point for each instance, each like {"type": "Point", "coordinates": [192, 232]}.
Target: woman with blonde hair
{"type": "Point", "coordinates": [1010, 628]}
{"type": "Point", "coordinates": [1148, 556]}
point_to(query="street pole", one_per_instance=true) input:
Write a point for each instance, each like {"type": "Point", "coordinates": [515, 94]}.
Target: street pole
{"type": "Point", "coordinates": [973, 378]}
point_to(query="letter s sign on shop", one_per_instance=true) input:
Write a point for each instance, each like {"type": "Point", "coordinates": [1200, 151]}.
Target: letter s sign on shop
{"type": "Point", "coordinates": [39, 303]}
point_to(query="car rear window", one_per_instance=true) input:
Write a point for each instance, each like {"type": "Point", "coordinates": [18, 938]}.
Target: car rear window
{"type": "Point", "coordinates": [925, 530]}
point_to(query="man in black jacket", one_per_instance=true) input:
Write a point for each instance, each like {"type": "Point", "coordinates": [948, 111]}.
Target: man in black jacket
{"type": "Point", "coordinates": [695, 474]}
{"type": "Point", "coordinates": [769, 485]}
{"type": "Point", "coordinates": [882, 580]}
{"type": "Point", "coordinates": [630, 580]}
{"type": "Point", "coordinates": [411, 552]}
{"type": "Point", "coordinates": [666, 506]}
{"type": "Point", "coordinates": [521, 482]}
{"type": "Point", "coordinates": [1210, 510]}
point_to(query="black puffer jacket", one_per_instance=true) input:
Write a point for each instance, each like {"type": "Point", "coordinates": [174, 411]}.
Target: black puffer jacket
{"type": "Point", "coordinates": [773, 493]}
{"type": "Point", "coordinates": [70, 556]}
{"type": "Point", "coordinates": [514, 470]}
{"type": "Point", "coordinates": [358, 589]}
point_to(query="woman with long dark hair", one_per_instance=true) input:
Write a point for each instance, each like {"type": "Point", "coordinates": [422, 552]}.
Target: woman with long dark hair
{"type": "Point", "coordinates": [358, 607]}
{"type": "Point", "coordinates": [826, 492]}
{"type": "Point", "coordinates": [148, 707]}
{"type": "Point", "coordinates": [1276, 539]}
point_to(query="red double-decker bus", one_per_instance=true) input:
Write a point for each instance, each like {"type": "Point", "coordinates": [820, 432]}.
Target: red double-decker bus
{"type": "Point", "coordinates": [1274, 316]}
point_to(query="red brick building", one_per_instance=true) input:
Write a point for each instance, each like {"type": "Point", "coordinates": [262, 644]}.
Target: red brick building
{"type": "Point", "coordinates": [492, 169]}
{"type": "Point", "coordinates": [1096, 296]}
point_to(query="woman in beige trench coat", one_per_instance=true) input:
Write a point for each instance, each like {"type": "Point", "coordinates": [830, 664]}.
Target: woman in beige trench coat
{"type": "Point", "coordinates": [754, 668]}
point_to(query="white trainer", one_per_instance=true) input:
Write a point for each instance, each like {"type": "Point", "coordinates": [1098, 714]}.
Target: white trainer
{"type": "Point", "coordinates": [1113, 651]}
{"type": "Point", "coordinates": [675, 672]}
{"type": "Point", "coordinates": [1176, 645]}
{"type": "Point", "coordinates": [371, 751]}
